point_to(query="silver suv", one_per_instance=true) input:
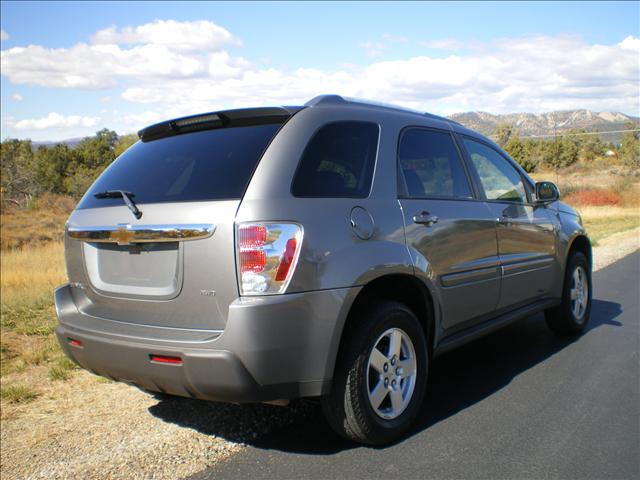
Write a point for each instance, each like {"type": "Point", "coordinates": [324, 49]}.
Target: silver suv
{"type": "Point", "coordinates": [330, 250]}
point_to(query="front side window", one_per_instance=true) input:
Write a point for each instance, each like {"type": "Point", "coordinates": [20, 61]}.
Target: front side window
{"type": "Point", "coordinates": [499, 179]}
{"type": "Point", "coordinates": [338, 161]}
{"type": "Point", "coordinates": [431, 165]}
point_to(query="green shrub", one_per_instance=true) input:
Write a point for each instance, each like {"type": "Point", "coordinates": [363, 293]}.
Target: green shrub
{"type": "Point", "coordinates": [62, 369]}
{"type": "Point", "coordinates": [17, 393]}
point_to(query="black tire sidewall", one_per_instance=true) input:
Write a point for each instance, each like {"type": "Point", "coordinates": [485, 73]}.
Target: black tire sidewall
{"type": "Point", "coordinates": [578, 259]}
{"type": "Point", "coordinates": [386, 316]}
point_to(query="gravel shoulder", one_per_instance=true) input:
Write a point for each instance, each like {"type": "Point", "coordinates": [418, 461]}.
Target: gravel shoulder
{"type": "Point", "coordinates": [90, 428]}
{"type": "Point", "coordinates": [615, 247]}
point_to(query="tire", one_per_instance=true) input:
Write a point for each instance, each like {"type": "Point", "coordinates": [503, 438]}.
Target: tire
{"type": "Point", "coordinates": [572, 315]}
{"type": "Point", "coordinates": [359, 378]}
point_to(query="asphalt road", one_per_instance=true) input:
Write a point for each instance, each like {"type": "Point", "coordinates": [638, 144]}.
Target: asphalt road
{"type": "Point", "coordinates": [520, 403]}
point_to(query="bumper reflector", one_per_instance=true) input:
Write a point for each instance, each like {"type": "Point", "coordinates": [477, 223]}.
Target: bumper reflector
{"type": "Point", "coordinates": [75, 343]}
{"type": "Point", "coordinates": [165, 359]}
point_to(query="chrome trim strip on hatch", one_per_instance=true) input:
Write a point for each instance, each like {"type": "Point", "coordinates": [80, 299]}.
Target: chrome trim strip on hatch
{"type": "Point", "coordinates": [125, 234]}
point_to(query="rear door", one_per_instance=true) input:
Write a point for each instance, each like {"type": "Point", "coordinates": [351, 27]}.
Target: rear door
{"type": "Point", "coordinates": [526, 233]}
{"type": "Point", "coordinates": [174, 266]}
{"type": "Point", "coordinates": [447, 226]}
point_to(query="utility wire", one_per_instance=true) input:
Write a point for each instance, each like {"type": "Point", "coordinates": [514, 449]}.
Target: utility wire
{"type": "Point", "coordinates": [574, 134]}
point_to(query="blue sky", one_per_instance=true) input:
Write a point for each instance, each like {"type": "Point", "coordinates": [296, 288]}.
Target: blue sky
{"type": "Point", "coordinates": [70, 68]}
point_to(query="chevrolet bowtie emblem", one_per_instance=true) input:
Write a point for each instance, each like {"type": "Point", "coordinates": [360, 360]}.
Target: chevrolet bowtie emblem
{"type": "Point", "coordinates": [123, 235]}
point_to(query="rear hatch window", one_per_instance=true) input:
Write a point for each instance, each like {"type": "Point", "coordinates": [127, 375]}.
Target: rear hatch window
{"type": "Point", "coordinates": [200, 166]}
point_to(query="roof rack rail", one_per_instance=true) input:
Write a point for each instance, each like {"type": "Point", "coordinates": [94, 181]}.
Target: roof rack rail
{"type": "Point", "coordinates": [438, 117]}
{"type": "Point", "coordinates": [324, 100]}
{"type": "Point", "coordinates": [339, 100]}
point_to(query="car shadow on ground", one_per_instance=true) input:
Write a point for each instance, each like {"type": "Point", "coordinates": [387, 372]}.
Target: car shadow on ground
{"type": "Point", "coordinates": [457, 380]}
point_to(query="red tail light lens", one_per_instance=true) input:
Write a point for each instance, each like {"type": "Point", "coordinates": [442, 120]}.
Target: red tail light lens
{"type": "Point", "coordinates": [267, 256]}
{"type": "Point", "coordinates": [287, 259]}
{"type": "Point", "coordinates": [252, 236]}
{"type": "Point", "coordinates": [252, 261]}
{"type": "Point", "coordinates": [165, 359]}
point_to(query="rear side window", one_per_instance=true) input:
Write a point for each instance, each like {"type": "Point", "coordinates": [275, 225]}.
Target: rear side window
{"type": "Point", "coordinates": [338, 161]}
{"type": "Point", "coordinates": [431, 165]}
{"type": "Point", "coordinates": [206, 165]}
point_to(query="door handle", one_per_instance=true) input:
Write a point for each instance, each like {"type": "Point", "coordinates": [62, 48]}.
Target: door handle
{"type": "Point", "coordinates": [504, 220]}
{"type": "Point", "coordinates": [425, 218]}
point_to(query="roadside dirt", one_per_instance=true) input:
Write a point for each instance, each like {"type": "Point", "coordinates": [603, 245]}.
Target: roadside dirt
{"type": "Point", "coordinates": [88, 428]}
{"type": "Point", "coordinates": [91, 429]}
{"type": "Point", "coordinates": [615, 247]}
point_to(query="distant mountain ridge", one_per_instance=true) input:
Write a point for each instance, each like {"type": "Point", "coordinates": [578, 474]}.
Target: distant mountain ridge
{"type": "Point", "coordinates": [529, 124]}
{"type": "Point", "coordinates": [551, 123]}
{"type": "Point", "coordinates": [69, 142]}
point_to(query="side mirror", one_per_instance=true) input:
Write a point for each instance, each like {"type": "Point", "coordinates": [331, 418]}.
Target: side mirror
{"type": "Point", "coordinates": [546, 192]}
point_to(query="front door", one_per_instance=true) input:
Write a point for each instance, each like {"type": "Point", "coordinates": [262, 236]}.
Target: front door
{"type": "Point", "coordinates": [526, 232]}
{"type": "Point", "coordinates": [450, 234]}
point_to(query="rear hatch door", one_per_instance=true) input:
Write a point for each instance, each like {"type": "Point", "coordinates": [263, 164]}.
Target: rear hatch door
{"type": "Point", "coordinates": [175, 265]}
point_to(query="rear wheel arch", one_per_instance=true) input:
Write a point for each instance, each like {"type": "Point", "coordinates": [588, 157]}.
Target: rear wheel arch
{"type": "Point", "coordinates": [373, 399]}
{"type": "Point", "coordinates": [403, 288]}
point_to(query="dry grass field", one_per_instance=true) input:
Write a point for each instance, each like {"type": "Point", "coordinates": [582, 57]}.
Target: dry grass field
{"type": "Point", "coordinates": [32, 265]}
{"type": "Point", "coordinates": [39, 224]}
{"type": "Point", "coordinates": [608, 199]}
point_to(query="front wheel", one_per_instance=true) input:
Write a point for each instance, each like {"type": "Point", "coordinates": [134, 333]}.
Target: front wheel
{"type": "Point", "coordinates": [381, 376]}
{"type": "Point", "coordinates": [572, 315]}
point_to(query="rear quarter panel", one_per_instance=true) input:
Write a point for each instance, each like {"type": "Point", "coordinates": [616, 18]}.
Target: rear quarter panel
{"type": "Point", "coordinates": [332, 255]}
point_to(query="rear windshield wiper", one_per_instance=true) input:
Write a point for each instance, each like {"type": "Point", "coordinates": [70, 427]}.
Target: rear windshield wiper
{"type": "Point", "coordinates": [126, 196]}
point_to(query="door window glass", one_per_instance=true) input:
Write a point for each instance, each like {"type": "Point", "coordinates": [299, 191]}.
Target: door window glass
{"type": "Point", "coordinates": [431, 165]}
{"type": "Point", "coordinates": [500, 180]}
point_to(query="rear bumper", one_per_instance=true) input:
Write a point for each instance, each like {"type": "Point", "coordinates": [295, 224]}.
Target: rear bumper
{"type": "Point", "coordinates": [275, 347]}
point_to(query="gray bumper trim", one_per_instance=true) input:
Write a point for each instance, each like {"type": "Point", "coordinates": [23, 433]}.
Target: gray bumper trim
{"type": "Point", "coordinates": [216, 375]}
{"type": "Point", "coordinates": [273, 347]}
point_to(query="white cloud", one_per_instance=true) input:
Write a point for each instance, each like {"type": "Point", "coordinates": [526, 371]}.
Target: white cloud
{"type": "Point", "coordinates": [96, 66]}
{"type": "Point", "coordinates": [178, 36]}
{"type": "Point", "coordinates": [374, 49]}
{"type": "Point", "coordinates": [140, 120]}
{"type": "Point", "coordinates": [52, 121]}
{"type": "Point", "coordinates": [526, 74]}
{"type": "Point", "coordinates": [389, 37]}
{"type": "Point", "coordinates": [630, 43]}
{"type": "Point", "coordinates": [157, 50]}
{"type": "Point", "coordinates": [16, 97]}
{"type": "Point", "coordinates": [181, 74]}
{"type": "Point", "coordinates": [443, 44]}
{"type": "Point", "coordinates": [4, 35]}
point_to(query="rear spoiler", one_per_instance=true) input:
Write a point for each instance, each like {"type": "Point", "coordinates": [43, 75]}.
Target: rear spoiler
{"type": "Point", "coordinates": [227, 118]}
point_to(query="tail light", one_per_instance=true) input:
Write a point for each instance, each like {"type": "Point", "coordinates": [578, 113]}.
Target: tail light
{"type": "Point", "coordinates": [267, 256]}
{"type": "Point", "coordinates": [165, 359]}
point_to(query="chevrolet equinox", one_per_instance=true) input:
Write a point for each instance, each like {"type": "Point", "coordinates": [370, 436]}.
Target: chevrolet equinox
{"type": "Point", "coordinates": [329, 250]}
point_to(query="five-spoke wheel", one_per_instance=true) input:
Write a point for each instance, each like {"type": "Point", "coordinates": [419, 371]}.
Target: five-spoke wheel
{"type": "Point", "coordinates": [572, 315]}
{"type": "Point", "coordinates": [391, 372]}
{"type": "Point", "coordinates": [579, 293]}
{"type": "Point", "coordinates": [381, 375]}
